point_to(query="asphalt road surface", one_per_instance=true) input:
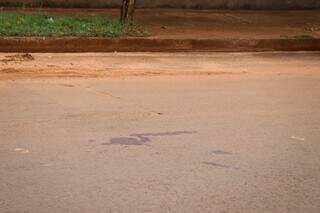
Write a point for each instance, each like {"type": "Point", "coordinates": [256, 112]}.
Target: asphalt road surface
{"type": "Point", "coordinates": [205, 132]}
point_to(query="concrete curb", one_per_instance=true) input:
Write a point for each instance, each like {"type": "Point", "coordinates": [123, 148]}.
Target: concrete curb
{"type": "Point", "coordinates": [76, 44]}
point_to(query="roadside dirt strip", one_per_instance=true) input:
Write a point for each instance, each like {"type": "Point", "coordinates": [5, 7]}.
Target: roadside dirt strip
{"type": "Point", "coordinates": [115, 65]}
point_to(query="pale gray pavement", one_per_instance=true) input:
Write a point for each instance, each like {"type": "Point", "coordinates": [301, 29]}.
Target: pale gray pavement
{"type": "Point", "coordinates": [243, 138]}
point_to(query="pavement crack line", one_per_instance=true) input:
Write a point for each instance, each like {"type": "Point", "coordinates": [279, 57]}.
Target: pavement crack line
{"type": "Point", "coordinates": [110, 95]}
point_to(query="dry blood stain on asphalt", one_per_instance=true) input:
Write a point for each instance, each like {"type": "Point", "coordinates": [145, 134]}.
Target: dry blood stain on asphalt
{"type": "Point", "coordinates": [141, 139]}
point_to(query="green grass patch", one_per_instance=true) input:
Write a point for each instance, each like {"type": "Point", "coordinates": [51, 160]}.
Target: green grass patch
{"type": "Point", "coordinates": [44, 25]}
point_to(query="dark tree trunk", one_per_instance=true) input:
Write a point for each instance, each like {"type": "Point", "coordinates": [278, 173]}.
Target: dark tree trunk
{"type": "Point", "coordinates": [127, 11]}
